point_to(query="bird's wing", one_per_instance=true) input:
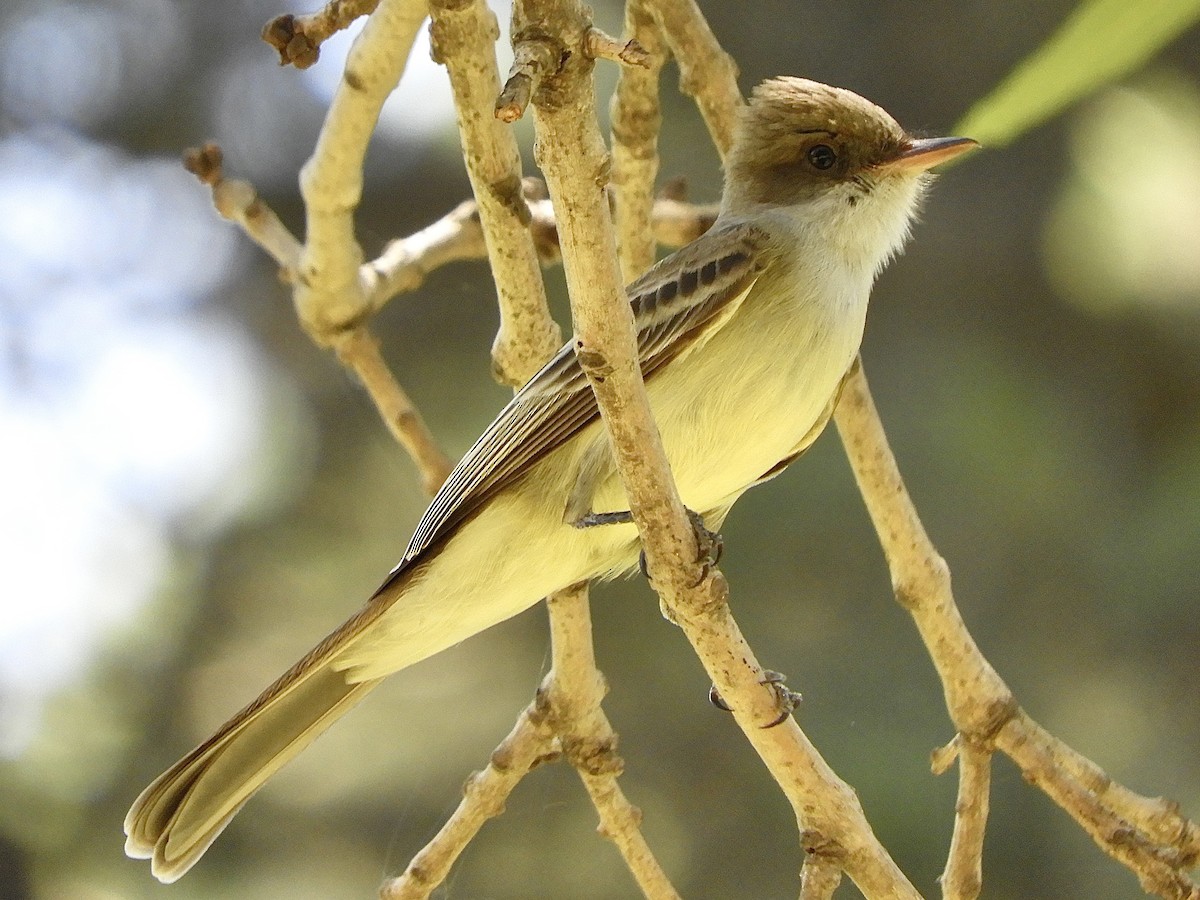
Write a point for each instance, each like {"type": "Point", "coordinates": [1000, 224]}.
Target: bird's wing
{"type": "Point", "coordinates": [678, 304]}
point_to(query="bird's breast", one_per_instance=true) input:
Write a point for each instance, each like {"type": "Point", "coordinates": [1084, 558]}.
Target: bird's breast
{"type": "Point", "coordinates": [731, 411]}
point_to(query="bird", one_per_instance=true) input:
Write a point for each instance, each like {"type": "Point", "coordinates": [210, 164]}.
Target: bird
{"type": "Point", "coordinates": [744, 337]}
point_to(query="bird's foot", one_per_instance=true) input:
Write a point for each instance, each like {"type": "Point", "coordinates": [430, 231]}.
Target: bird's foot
{"type": "Point", "coordinates": [710, 546]}
{"type": "Point", "coordinates": [786, 699]}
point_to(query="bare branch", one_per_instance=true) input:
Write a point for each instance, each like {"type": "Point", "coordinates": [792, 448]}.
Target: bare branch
{"type": "Point", "coordinates": [1161, 865]}
{"type": "Point", "coordinates": [406, 262]}
{"type": "Point", "coordinates": [329, 294]}
{"type": "Point", "coordinates": [463, 35]}
{"type": "Point", "coordinates": [533, 59]}
{"type": "Point", "coordinates": [573, 692]}
{"type": "Point", "coordinates": [1155, 842]}
{"type": "Point", "coordinates": [359, 352]}
{"type": "Point", "coordinates": [600, 45]}
{"type": "Point", "coordinates": [239, 202]}
{"type": "Point", "coordinates": [978, 700]}
{"type": "Point", "coordinates": [636, 119]}
{"type": "Point", "coordinates": [484, 795]}
{"type": "Point", "coordinates": [963, 876]}
{"type": "Point", "coordinates": [706, 72]}
{"type": "Point", "coordinates": [1159, 818]}
{"type": "Point", "coordinates": [819, 878]}
{"type": "Point", "coordinates": [572, 156]}
{"type": "Point", "coordinates": [299, 38]}
{"type": "Point", "coordinates": [528, 335]}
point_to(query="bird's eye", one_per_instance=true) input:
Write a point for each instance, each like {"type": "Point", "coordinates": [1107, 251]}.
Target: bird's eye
{"type": "Point", "coordinates": [822, 156]}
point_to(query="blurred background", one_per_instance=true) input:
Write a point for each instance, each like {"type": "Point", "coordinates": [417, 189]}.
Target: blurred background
{"type": "Point", "coordinates": [192, 494]}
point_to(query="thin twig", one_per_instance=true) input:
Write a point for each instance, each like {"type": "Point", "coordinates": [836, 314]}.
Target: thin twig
{"type": "Point", "coordinates": [530, 742]}
{"type": "Point", "coordinates": [636, 119]}
{"type": "Point", "coordinates": [963, 875]}
{"type": "Point", "coordinates": [1159, 818]}
{"type": "Point", "coordinates": [238, 201]}
{"type": "Point", "coordinates": [819, 878]}
{"type": "Point", "coordinates": [706, 72]}
{"type": "Point", "coordinates": [358, 351]}
{"type": "Point", "coordinates": [356, 348]}
{"type": "Point", "coordinates": [534, 58]}
{"type": "Point", "coordinates": [1154, 841]}
{"type": "Point", "coordinates": [329, 293]}
{"type": "Point", "coordinates": [463, 36]}
{"type": "Point", "coordinates": [598, 44]}
{"type": "Point", "coordinates": [406, 262]}
{"type": "Point", "coordinates": [978, 699]}
{"type": "Point", "coordinates": [574, 690]}
{"type": "Point", "coordinates": [1161, 866]}
{"type": "Point", "coordinates": [403, 266]}
{"type": "Point", "coordinates": [299, 38]}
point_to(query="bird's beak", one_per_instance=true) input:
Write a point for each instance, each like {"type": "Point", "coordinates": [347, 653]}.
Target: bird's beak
{"type": "Point", "coordinates": [925, 153]}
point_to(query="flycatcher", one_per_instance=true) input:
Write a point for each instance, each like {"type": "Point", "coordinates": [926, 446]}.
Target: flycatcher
{"type": "Point", "coordinates": [744, 336]}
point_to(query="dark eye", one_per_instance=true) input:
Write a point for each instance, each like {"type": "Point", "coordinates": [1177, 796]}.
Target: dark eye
{"type": "Point", "coordinates": [822, 156]}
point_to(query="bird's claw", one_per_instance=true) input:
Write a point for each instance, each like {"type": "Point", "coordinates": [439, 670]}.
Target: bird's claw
{"type": "Point", "coordinates": [785, 698]}
{"type": "Point", "coordinates": [710, 546]}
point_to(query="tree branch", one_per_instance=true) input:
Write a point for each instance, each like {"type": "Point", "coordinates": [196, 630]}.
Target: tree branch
{"type": "Point", "coordinates": [636, 119]}
{"type": "Point", "coordinates": [358, 351]}
{"type": "Point", "coordinates": [298, 39]}
{"type": "Point", "coordinates": [962, 878]}
{"type": "Point", "coordinates": [819, 878]}
{"type": "Point", "coordinates": [573, 690]}
{"type": "Point", "coordinates": [463, 36]}
{"type": "Point", "coordinates": [1155, 842]}
{"type": "Point", "coordinates": [356, 348]}
{"type": "Point", "coordinates": [329, 294]}
{"type": "Point", "coordinates": [573, 158]}
{"type": "Point", "coordinates": [707, 73]}
{"type": "Point", "coordinates": [533, 59]}
{"type": "Point", "coordinates": [238, 201]}
{"type": "Point", "coordinates": [530, 743]}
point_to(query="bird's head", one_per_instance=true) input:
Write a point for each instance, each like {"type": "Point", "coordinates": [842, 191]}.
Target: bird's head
{"type": "Point", "coordinates": [838, 166]}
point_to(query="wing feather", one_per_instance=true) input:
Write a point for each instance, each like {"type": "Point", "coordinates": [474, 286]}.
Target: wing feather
{"type": "Point", "coordinates": [678, 304]}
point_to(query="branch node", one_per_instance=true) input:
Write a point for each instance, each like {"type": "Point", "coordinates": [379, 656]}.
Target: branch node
{"type": "Point", "coordinates": [596, 757]}
{"type": "Point", "coordinates": [535, 57]}
{"type": "Point", "coordinates": [941, 759]}
{"type": "Point", "coordinates": [510, 191]}
{"type": "Point", "coordinates": [593, 362]}
{"type": "Point", "coordinates": [817, 844]}
{"type": "Point", "coordinates": [599, 45]}
{"type": "Point", "coordinates": [205, 162]}
{"type": "Point", "coordinates": [298, 39]}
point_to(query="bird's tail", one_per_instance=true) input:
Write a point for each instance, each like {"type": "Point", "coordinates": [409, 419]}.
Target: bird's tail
{"type": "Point", "coordinates": [177, 817]}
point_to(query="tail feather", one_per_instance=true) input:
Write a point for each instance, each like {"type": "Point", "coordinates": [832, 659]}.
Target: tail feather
{"type": "Point", "coordinates": [177, 817]}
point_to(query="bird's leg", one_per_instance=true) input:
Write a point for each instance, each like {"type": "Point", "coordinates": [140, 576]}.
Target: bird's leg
{"type": "Point", "coordinates": [592, 519]}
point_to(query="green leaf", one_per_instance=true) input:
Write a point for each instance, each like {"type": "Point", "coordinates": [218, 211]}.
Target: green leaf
{"type": "Point", "coordinates": [1100, 41]}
